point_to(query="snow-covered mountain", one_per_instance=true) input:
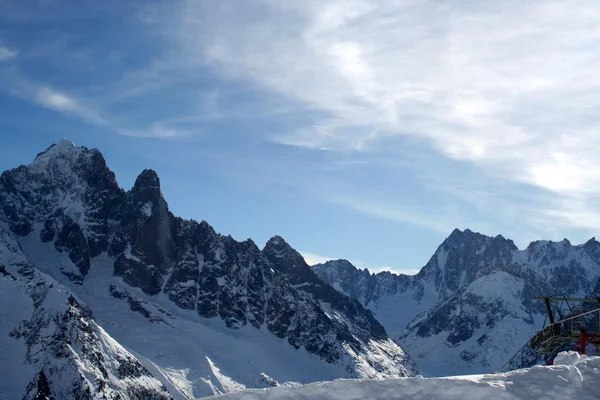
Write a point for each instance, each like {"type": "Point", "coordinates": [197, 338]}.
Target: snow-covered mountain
{"type": "Point", "coordinates": [138, 300]}
{"type": "Point", "coordinates": [472, 306]}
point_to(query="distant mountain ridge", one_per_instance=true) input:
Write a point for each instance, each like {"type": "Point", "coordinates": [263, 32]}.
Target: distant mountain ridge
{"type": "Point", "coordinates": [145, 275]}
{"type": "Point", "coordinates": [472, 306]}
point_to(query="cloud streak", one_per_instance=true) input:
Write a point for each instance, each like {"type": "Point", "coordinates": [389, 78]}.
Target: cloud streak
{"type": "Point", "coordinates": [75, 107]}
{"type": "Point", "coordinates": [66, 104]}
{"type": "Point", "coordinates": [510, 87]}
{"type": "Point", "coordinates": [7, 54]}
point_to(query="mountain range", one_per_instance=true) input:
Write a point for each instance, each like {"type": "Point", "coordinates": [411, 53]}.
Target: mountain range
{"type": "Point", "coordinates": [112, 296]}
{"type": "Point", "coordinates": [473, 305]}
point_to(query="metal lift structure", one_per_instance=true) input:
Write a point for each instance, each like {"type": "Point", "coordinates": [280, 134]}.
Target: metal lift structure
{"type": "Point", "coordinates": [580, 326]}
{"type": "Point", "coordinates": [575, 327]}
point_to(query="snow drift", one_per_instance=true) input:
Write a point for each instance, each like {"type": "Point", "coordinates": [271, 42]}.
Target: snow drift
{"type": "Point", "coordinates": [572, 377]}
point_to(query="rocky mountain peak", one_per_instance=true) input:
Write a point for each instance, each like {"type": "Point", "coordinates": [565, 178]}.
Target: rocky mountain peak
{"type": "Point", "coordinates": [468, 240]}
{"type": "Point", "coordinates": [340, 263]}
{"type": "Point", "coordinates": [278, 242]}
{"type": "Point", "coordinates": [70, 166]}
{"type": "Point", "coordinates": [344, 266]}
{"type": "Point", "coordinates": [148, 179]}
{"type": "Point", "coordinates": [592, 247]}
{"type": "Point", "coordinates": [62, 151]}
{"type": "Point", "coordinates": [62, 147]}
{"type": "Point", "coordinates": [277, 247]}
{"type": "Point", "coordinates": [288, 261]}
{"type": "Point", "coordinates": [144, 246]}
{"type": "Point", "coordinates": [462, 255]}
{"type": "Point", "coordinates": [359, 283]}
{"type": "Point", "coordinates": [147, 187]}
{"type": "Point", "coordinates": [57, 155]}
{"type": "Point", "coordinates": [548, 244]}
{"type": "Point", "coordinates": [458, 237]}
{"type": "Point", "coordinates": [542, 252]}
{"type": "Point", "coordinates": [457, 234]}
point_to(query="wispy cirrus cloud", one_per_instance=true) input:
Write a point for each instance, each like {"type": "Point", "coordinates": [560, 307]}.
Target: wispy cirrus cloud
{"type": "Point", "coordinates": [508, 87]}
{"type": "Point", "coordinates": [477, 87]}
{"type": "Point", "coordinates": [157, 130]}
{"type": "Point", "coordinates": [71, 106]}
{"type": "Point", "coordinates": [83, 109]}
{"type": "Point", "coordinates": [7, 54]}
{"type": "Point", "coordinates": [64, 103]}
{"type": "Point", "coordinates": [60, 67]}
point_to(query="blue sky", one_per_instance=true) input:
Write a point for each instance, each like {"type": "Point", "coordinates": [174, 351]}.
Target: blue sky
{"type": "Point", "coordinates": [354, 129]}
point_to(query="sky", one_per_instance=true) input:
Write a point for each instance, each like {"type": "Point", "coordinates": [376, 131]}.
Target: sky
{"type": "Point", "coordinates": [354, 129]}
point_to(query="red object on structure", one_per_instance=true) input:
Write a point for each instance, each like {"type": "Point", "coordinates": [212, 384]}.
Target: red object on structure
{"type": "Point", "coordinates": [582, 342]}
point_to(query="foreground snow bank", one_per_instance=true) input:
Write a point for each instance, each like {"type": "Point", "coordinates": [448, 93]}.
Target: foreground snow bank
{"type": "Point", "coordinates": [569, 358]}
{"type": "Point", "coordinates": [580, 379]}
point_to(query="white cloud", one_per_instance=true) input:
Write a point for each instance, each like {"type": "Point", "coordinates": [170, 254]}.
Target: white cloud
{"type": "Point", "coordinates": [7, 54]}
{"type": "Point", "coordinates": [64, 103]}
{"type": "Point", "coordinates": [91, 113]}
{"type": "Point", "coordinates": [56, 100]}
{"type": "Point", "coordinates": [156, 130]}
{"type": "Point", "coordinates": [313, 259]}
{"type": "Point", "coordinates": [511, 87]}
{"type": "Point", "coordinates": [81, 104]}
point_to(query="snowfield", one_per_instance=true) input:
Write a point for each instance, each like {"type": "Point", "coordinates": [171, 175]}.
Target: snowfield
{"type": "Point", "coordinates": [572, 377]}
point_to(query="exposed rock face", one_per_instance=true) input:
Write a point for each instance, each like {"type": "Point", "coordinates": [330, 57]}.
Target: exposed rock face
{"type": "Point", "coordinates": [461, 257]}
{"type": "Point", "coordinates": [68, 202]}
{"type": "Point", "coordinates": [360, 284]}
{"type": "Point", "coordinates": [39, 388]}
{"type": "Point", "coordinates": [338, 316]}
{"type": "Point", "coordinates": [143, 245]}
{"type": "Point", "coordinates": [472, 306]}
{"type": "Point", "coordinates": [303, 278]}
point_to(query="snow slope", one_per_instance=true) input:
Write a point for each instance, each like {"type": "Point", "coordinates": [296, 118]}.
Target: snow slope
{"type": "Point", "coordinates": [573, 377]}
{"type": "Point", "coordinates": [51, 347]}
{"type": "Point", "coordinates": [191, 355]}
